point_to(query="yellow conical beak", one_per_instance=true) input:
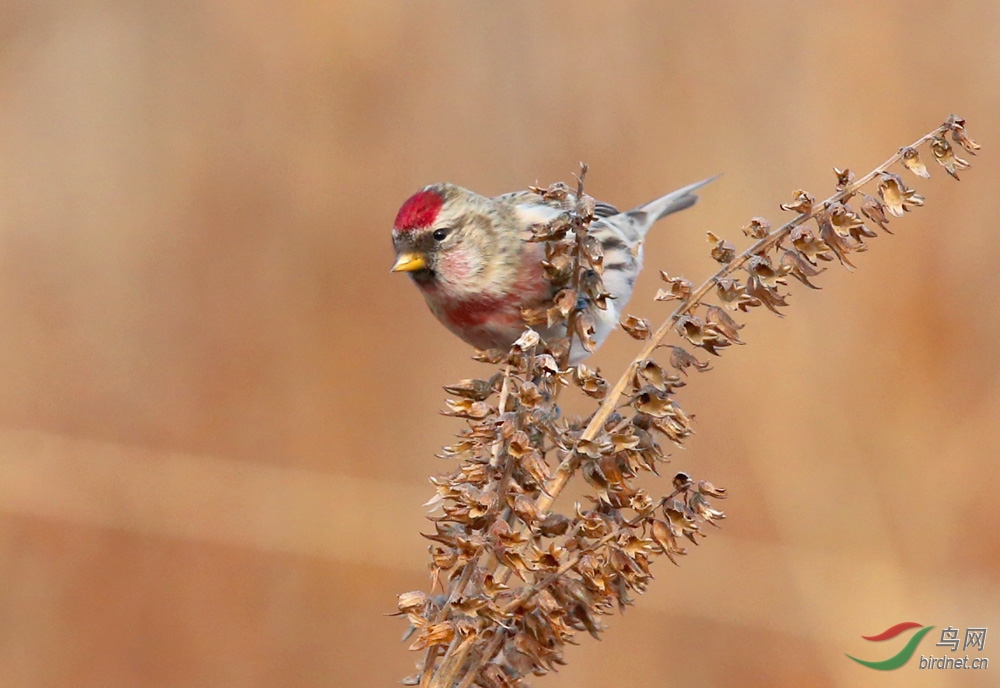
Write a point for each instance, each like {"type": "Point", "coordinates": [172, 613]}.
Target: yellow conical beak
{"type": "Point", "coordinates": [409, 262]}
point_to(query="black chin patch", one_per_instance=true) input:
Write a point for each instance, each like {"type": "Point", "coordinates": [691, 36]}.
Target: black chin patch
{"type": "Point", "coordinates": [425, 276]}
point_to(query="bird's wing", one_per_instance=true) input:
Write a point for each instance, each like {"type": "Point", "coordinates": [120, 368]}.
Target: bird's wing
{"type": "Point", "coordinates": [533, 208]}
{"type": "Point", "coordinates": [630, 226]}
{"type": "Point", "coordinates": [602, 209]}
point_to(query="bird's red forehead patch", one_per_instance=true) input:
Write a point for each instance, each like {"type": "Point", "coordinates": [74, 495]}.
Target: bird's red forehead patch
{"type": "Point", "coordinates": [419, 211]}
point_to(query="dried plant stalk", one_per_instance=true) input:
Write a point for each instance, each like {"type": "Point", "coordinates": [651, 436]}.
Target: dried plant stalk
{"type": "Point", "coordinates": [519, 579]}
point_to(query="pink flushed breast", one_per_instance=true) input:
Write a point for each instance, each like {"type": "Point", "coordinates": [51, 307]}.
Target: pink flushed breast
{"type": "Point", "coordinates": [529, 289]}
{"type": "Point", "coordinates": [483, 310]}
{"type": "Point", "coordinates": [492, 319]}
{"type": "Point", "coordinates": [502, 311]}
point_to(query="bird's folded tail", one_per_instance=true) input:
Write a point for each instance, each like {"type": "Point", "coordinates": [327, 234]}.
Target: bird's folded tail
{"type": "Point", "coordinates": [643, 217]}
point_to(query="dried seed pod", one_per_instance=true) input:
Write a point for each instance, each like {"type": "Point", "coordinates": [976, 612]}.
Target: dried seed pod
{"type": "Point", "coordinates": [757, 228]}
{"type": "Point", "coordinates": [649, 372]}
{"type": "Point", "coordinates": [553, 230]}
{"type": "Point", "coordinates": [637, 328]}
{"type": "Point", "coordinates": [525, 509]}
{"type": "Point", "coordinates": [585, 328]}
{"type": "Point", "coordinates": [528, 340]}
{"type": "Point", "coordinates": [898, 199]}
{"type": "Point", "coordinates": [558, 265]}
{"type": "Point", "coordinates": [434, 634]}
{"type": "Point", "coordinates": [653, 402]}
{"type": "Point", "coordinates": [701, 334]}
{"type": "Point", "coordinates": [768, 296]}
{"type": "Point", "coordinates": [476, 390]}
{"type": "Point", "coordinates": [711, 490]}
{"type": "Point", "coordinates": [724, 324]}
{"type": "Point", "coordinates": [534, 465]}
{"type": "Point", "coordinates": [585, 207]}
{"type": "Point", "coordinates": [663, 536]}
{"type": "Point", "coordinates": [844, 178]}
{"type": "Point", "coordinates": [706, 511]}
{"type": "Point", "coordinates": [734, 295]}
{"type": "Point", "coordinates": [681, 360]}
{"type": "Point", "coordinates": [945, 155]}
{"type": "Point", "coordinates": [590, 381]}
{"type": "Point", "coordinates": [557, 191]}
{"type": "Point", "coordinates": [529, 395]}
{"type": "Point", "coordinates": [492, 356]}
{"type": "Point", "coordinates": [760, 268]}
{"type": "Point", "coordinates": [535, 317]}
{"type": "Point", "coordinates": [800, 268]}
{"type": "Point", "coordinates": [562, 305]}
{"type": "Point", "coordinates": [959, 135]}
{"type": "Point", "coordinates": [679, 288]}
{"type": "Point", "coordinates": [810, 246]}
{"type": "Point", "coordinates": [553, 525]}
{"type": "Point", "coordinates": [802, 203]}
{"type": "Point", "coordinates": [411, 601]}
{"type": "Point", "coordinates": [593, 448]}
{"type": "Point", "coordinates": [846, 222]}
{"type": "Point", "coordinates": [467, 408]}
{"type": "Point", "coordinates": [592, 287]}
{"type": "Point", "coordinates": [682, 481]}
{"type": "Point", "coordinates": [722, 250]}
{"type": "Point", "coordinates": [912, 162]}
{"type": "Point", "coordinates": [873, 209]}
{"type": "Point", "coordinates": [840, 245]}
{"type": "Point", "coordinates": [593, 251]}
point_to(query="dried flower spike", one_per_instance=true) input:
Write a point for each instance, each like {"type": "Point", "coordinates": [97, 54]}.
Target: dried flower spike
{"type": "Point", "coordinates": [519, 579]}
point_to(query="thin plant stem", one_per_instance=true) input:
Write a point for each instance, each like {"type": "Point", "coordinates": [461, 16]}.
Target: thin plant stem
{"type": "Point", "coordinates": [489, 653]}
{"type": "Point", "coordinates": [580, 230]}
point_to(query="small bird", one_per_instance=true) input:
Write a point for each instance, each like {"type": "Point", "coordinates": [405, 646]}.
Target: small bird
{"type": "Point", "coordinates": [471, 258]}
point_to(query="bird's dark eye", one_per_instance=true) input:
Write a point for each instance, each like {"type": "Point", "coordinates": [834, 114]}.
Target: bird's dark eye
{"type": "Point", "coordinates": [440, 234]}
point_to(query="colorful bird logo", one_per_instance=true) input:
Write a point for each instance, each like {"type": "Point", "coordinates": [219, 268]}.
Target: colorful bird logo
{"type": "Point", "coordinates": [903, 656]}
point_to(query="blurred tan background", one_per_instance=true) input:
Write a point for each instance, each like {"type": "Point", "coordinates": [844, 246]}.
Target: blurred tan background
{"type": "Point", "coordinates": [218, 408]}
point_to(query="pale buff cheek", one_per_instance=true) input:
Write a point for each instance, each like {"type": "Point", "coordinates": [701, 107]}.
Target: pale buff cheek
{"type": "Point", "coordinates": [455, 266]}
{"type": "Point", "coordinates": [471, 269]}
{"type": "Point", "coordinates": [460, 271]}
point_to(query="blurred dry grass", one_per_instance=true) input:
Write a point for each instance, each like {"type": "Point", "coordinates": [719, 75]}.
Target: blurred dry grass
{"type": "Point", "coordinates": [201, 334]}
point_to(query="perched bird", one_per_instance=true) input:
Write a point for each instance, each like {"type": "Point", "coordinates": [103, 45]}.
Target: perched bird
{"type": "Point", "coordinates": [470, 257]}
